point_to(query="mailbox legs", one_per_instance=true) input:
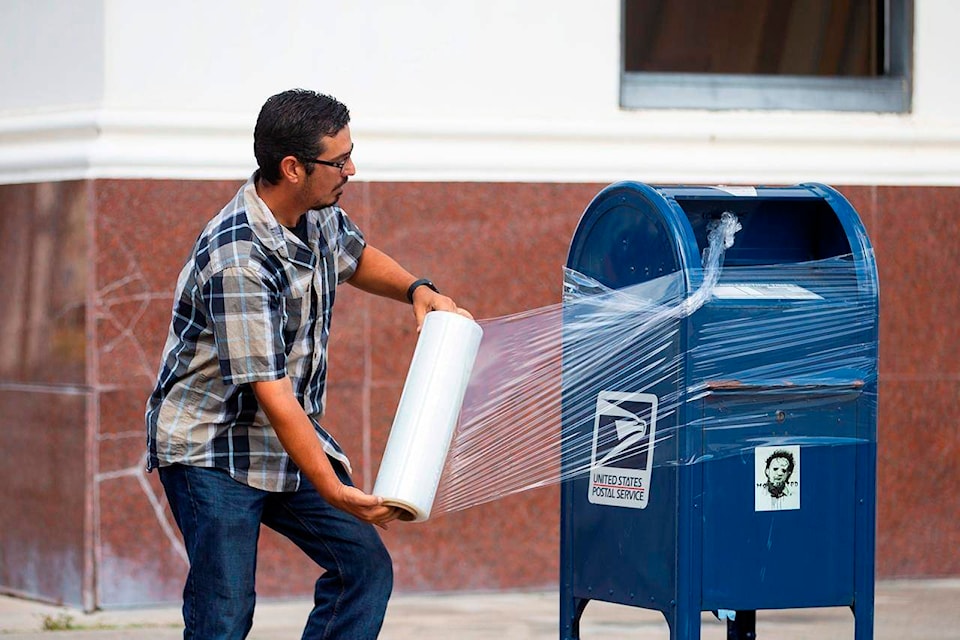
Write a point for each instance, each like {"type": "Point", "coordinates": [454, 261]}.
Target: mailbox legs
{"type": "Point", "coordinates": [743, 627]}
{"type": "Point", "coordinates": [570, 611]}
{"type": "Point", "coordinates": [863, 621]}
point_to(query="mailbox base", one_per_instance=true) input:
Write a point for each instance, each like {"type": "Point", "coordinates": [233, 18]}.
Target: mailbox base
{"type": "Point", "coordinates": [742, 627]}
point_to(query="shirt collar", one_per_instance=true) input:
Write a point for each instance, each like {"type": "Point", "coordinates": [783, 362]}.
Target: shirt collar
{"type": "Point", "coordinates": [271, 233]}
{"type": "Point", "coordinates": [261, 219]}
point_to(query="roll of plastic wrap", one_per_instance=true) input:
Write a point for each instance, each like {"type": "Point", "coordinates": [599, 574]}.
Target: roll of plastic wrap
{"type": "Point", "coordinates": [427, 415]}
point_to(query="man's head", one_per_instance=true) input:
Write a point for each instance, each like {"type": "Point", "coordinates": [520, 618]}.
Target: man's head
{"type": "Point", "coordinates": [293, 123]}
{"type": "Point", "coordinates": [779, 467]}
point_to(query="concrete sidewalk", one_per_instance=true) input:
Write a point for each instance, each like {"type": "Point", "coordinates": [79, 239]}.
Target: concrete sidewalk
{"type": "Point", "coordinates": [905, 609]}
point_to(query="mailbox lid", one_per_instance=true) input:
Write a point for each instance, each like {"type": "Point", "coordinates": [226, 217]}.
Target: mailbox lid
{"type": "Point", "coordinates": [633, 232]}
{"type": "Point", "coordinates": [630, 234]}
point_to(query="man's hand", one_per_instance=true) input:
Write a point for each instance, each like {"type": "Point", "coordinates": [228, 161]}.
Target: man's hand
{"type": "Point", "coordinates": [364, 506]}
{"type": "Point", "coordinates": [426, 300]}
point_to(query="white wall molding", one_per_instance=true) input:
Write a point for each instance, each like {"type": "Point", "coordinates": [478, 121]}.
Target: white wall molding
{"type": "Point", "coordinates": [667, 147]}
{"type": "Point", "coordinates": [113, 89]}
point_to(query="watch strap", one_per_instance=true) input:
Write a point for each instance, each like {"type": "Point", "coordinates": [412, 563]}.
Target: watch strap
{"type": "Point", "coordinates": [422, 282]}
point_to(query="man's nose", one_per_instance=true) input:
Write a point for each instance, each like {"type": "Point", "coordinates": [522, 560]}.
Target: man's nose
{"type": "Point", "coordinates": [349, 168]}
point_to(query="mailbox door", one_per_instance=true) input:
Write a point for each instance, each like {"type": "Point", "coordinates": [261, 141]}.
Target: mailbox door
{"type": "Point", "coordinates": [623, 543]}
{"type": "Point", "coordinates": [766, 547]}
{"type": "Point", "coordinates": [614, 550]}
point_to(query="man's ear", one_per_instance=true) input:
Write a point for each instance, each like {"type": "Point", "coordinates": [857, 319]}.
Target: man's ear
{"type": "Point", "coordinates": [291, 169]}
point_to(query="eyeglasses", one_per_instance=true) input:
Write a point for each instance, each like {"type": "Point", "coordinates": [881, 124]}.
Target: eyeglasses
{"type": "Point", "coordinates": [335, 165]}
{"type": "Point", "coordinates": [330, 163]}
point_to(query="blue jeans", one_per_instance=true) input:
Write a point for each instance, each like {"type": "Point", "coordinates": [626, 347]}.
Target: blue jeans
{"type": "Point", "coordinates": [220, 521]}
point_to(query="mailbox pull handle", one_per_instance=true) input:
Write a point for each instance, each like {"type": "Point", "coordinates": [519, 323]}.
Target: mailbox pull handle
{"type": "Point", "coordinates": [781, 386]}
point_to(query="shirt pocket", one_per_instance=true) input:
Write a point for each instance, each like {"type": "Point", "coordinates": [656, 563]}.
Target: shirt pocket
{"type": "Point", "coordinates": [292, 319]}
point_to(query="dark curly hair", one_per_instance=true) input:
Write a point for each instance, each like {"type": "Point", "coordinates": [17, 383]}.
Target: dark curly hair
{"type": "Point", "coordinates": [783, 453]}
{"type": "Point", "coordinates": [291, 124]}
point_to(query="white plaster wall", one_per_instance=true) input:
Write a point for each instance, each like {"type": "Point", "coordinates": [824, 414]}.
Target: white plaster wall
{"type": "Point", "coordinates": [936, 74]}
{"type": "Point", "coordinates": [51, 54]}
{"type": "Point", "coordinates": [468, 90]}
{"type": "Point", "coordinates": [470, 59]}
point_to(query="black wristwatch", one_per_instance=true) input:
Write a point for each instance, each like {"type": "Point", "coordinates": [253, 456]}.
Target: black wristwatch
{"type": "Point", "coordinates": [422, 282]}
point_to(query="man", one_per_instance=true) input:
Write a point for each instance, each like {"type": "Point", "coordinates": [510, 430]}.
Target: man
{"type": "Point", "coordinates": [233, 423]}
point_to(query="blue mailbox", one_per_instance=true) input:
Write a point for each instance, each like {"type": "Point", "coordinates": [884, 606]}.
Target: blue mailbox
{"type": "Point", "coordinates": [736, 471]}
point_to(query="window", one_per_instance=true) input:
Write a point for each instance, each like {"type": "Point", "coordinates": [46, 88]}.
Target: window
{"type": "Point", "coordinates": [839, 55]}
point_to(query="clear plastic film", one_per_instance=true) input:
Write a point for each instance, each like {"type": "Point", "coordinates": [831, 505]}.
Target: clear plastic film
{"type": "Point", "coordinates": [729, 360]}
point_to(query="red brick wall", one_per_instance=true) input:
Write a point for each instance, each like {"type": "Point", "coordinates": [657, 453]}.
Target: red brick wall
{"type": "Point", "coordinates": [498, 249]}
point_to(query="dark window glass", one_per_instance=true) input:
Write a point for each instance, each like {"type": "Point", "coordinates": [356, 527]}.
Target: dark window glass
{"type": "Point", "coordinates": [756, 37]}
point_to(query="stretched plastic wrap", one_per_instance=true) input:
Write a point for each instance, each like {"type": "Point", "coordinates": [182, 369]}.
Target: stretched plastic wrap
{"type": "Point", "coordinates": [545, 381]}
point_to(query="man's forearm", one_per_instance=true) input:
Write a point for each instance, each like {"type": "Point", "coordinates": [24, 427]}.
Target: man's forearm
{"type": "Point", "coordinates": [297, 434]}
{"type": "Point", "coordinates": [299, 439]}
{"type": "Point", "coordinates": [380, 274]}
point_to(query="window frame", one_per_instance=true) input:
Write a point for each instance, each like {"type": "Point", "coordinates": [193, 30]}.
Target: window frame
{"type": "Point", "coordinates": [889, 93]}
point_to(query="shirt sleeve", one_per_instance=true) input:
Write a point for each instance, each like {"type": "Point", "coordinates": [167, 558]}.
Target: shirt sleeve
{"type": "Point", "coordinates": [350, 244]}
{"type": "Point", "coordinates": [246, 316]}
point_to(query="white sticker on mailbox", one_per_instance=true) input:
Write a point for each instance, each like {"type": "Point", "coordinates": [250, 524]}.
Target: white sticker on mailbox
{"type": "Point", "coordinates": [738, 191]}
{"type": "Point", "coordinates": [764, 291]}
{"type": "Point", "coordinates": [621, 461]}
{"type": "Point", "coordinates": [777, 478]}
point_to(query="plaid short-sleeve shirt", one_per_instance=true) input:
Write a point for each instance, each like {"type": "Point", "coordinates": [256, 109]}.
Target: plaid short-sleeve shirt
{"type": "Point", "coordinates": [252, 303]}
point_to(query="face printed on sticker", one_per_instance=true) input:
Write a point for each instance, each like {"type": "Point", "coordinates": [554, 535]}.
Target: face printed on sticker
{"type": "Point", "coordinates": [777, 471]}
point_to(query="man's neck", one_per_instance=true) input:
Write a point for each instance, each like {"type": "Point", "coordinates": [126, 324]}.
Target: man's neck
{"type": "Point", "coordinates": [284, 208]}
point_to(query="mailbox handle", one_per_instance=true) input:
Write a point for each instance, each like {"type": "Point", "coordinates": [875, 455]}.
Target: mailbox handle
{"type": "Point", "coordinates": [783, 386]}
